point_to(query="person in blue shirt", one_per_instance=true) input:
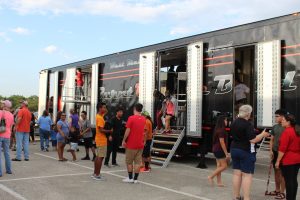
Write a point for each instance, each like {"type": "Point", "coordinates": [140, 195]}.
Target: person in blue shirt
{"type": "Point", "coordinates": [45, 123]}
{"type": "Point", "coordinates": [53, 137]}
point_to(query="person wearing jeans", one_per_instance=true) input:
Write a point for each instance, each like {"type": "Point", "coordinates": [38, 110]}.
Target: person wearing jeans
{"type": "Point", "coordinates": [5, 136]}
{"type": "Point", "coordinates": [22, 131]}
{"type": "Point", "coordinates": [45, 123]}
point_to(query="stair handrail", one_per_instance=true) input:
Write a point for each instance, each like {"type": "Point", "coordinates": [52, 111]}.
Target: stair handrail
{"type": "Point", "coordinates": [174, 148]}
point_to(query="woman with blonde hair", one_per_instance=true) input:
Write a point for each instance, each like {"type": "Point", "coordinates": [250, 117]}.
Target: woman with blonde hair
{"type": "Point", "coordinates": [243, 152]}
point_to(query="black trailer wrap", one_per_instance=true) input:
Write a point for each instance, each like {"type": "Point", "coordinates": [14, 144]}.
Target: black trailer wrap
{"type": "Point", "coordinates": [119, 72]}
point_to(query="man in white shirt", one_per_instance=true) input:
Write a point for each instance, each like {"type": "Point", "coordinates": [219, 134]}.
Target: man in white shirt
{"type": "Point", "coordinates": [240, 91]}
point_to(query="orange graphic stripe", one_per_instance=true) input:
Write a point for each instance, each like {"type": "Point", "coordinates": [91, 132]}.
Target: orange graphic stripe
{"type": "Point", "coordinates": [217, 57]}
{"type": "Point", "coordinates": [116, 77]}
{"type": "Point", "coordinates": [117, 72]}
{"type": "Point", "coordinates": [218, 64]}
{"type": "Point", "coordinates": [291, 54]}
{"type": "Point", "coordinates": [291, 46]}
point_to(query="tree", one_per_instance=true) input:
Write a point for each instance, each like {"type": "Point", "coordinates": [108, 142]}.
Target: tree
{"type": "Point", "coordinates": [33, 101]}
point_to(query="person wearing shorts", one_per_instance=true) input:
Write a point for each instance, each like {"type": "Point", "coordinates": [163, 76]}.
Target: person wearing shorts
{"type": "Point", "coordinates": [219, 150]}
{"type": "Point", "coordinates": [243, 152]}
{"type": "Point", "coordinates": [101, 141]}
{"type": "Point", "coordinates": [61, 137]}
{"type": "Point", "coordinates": [276, 133]}
{"type": "Point", "coordinates": [147, 147]}
{"type": "Point", "coordinates": [86, 133]}
{"type": "Point", "coordinates": [133, 142]}
{"type": "Point", "coordinates": [74, 136]}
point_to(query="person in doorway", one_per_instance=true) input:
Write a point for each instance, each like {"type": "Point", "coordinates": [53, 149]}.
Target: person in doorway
{"type": "Point", "coordinates": [170, 113]}
{"type": "Point", "coordinates": [134, 141]}
{"type": "Point", "coordinates": [240, 90]}
{"type": "Point", "coordinates": [79, 84]}
{"type": "Point", "coordinates": [101, 140]}
{"type": "Point", "coordinates": [113, 145]}
{"type": "Point", "coordinates": [220, 150]}
{"type": "Point", "coordinates": [158, 106]}
{"type": "Point", "coordinates": [62, 136]}
{"type": "Point", "coordinates": [45, 124]}
{"type": "Point", "coordinates": [289, 155]}
{"type": "Point", "coordinates": [86, 133]}
{"type": "Point", "coordinates": [243, 152]}
{"type": "Point", "coordinates": [171, 79]}
{"type": "Point", "coordinates": [147, 148]}
{"type": "Point", "coordinates": [50, 106]}
{"type": "Point", "coordinates": [7, 117]}
{"type": "Point", "coordinates": [22, 131]}
{"type": "Point", "coordinates": [276, 132]}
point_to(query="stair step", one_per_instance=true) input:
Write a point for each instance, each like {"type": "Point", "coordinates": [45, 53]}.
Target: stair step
{"type": "Point", "coordinates": [161, 150]}
{"type": "Point", "coordinates": [157, 162]}
{"type": "Point", "coordinates": [158, 158]}
{"type": "Point", "coordinates": [163, 142]}
{"type": "Point", "coordinates": [167, 135]}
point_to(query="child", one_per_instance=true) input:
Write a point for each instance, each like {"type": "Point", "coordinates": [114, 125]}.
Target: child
{"type": "Point", "coordinates": [53, 137]}
{"type": "Point", "coordinates": [74, 136]}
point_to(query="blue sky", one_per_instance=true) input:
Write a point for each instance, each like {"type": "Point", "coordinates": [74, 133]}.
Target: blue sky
{"type": "Point", "coordinates": [37, 34]}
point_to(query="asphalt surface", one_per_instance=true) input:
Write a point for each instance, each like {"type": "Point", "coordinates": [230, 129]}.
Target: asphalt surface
{"type": "Point", "coordinates": [43, 177]}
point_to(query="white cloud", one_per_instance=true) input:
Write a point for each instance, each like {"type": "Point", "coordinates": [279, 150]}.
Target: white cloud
{"type": "Point", "coordinates": [186, 16]}
{"type": "Point", "coordinates": [21, 31]}
{"type": "Point", "coordinates": [4, 37]}
{"type": "Point", "coordinates": [50, 49]}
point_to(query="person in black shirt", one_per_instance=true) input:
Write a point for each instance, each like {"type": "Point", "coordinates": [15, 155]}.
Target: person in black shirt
{"type": "Point", "coordinates": [113, 145]}
{"type": "Point", "coordinates": [243, 151]}
{"type": "Point", "coordinates": [73, 139]}
{"type": "Point", "coordinates": [158, 104]}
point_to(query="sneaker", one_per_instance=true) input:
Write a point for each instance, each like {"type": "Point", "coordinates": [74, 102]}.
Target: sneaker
{"type": "Point", "coordinates": [86, 158]}
{"type": "Point", "coordinates": [135, 181]}
{"type": "Point", "coordinates": [93, 175]}
{"type": "Point", "coordinates": [15, 159]}
{"type": "Point", "coordinates": [99, 178]}
{"type": "Point", "coordinates": [127, 180]}
{"type": "Point", "coordinates": [107, 165]}
{"type": "Point", "coordinates": [26, 159]}
{"type": "Point", "coordinates": [47, 149]}
{"type": "Point", "coordinates": [8, 172]}
{"type": "Point", "coordinates": [145, 170]}
{"type": "Point", "coordinates": [115, 165]}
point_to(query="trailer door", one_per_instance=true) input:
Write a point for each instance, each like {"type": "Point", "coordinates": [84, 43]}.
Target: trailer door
{"type": "Point", "coordinates": [69, 90]}
{"type": "Point", "coordinates": [147, 80]}
{"type": "Point", "coordinates": [268, 82]}
{"type": "Point", "coordinates": [94, 92]}
{"type": "Point", "coordinates": [194, 89]}
{"type": "Point", "coordinates": [43, 91]}
{"type": "Point", "coordinates": [55, 94]}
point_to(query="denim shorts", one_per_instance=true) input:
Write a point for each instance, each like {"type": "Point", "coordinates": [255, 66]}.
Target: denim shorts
{"type": "Point", "coordinates": [243, 160]}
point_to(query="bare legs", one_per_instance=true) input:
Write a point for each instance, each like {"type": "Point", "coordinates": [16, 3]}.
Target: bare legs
{"type": "Point", "coordinates": [60, 151]}
{"type": "Point", "coordinates": [221, 166]}
{"type": "Point", "coordinates": [279, 181]}
{"type": "Point", "coordinates": [243, 180]}
{"type": "Point", "coordinates": [97, 165]}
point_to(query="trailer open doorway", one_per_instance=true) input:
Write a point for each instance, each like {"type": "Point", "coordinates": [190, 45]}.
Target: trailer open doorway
{"type": "Point", "coordinates": [244, 83]}
{"type": "Point", "coordinates": [172, 80]}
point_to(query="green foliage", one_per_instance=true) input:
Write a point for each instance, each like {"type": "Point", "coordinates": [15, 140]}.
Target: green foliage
{"type": "Point", "coordinates": [15, 99]}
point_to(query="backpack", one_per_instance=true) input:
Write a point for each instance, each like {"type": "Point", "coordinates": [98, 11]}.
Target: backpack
{"type": "Point", "coordinates": [2, 123]}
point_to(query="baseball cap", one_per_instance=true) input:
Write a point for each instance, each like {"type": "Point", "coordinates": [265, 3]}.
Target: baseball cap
{"type": "Point", "coordinates": [24, 102]}
{"type": "Point", "coordinates": [145, 113]}
{"type": "Point", "coordinates": [7, 103]}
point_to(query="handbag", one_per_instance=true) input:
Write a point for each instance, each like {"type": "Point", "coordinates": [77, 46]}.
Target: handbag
{"type": "Point", "coordinates": [3, 123]}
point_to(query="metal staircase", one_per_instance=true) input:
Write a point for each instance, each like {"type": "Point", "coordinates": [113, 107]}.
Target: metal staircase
{"type": "Point", "coordinates": [264, 145]}
{"type": "Point", "coordinates": [165, 146]}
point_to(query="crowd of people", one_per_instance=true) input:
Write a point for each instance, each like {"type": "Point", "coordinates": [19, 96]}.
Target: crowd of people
{"type": "Point", "coordinates": [137, 140]}
{"type": "Point", "coordinates": [284, 153]}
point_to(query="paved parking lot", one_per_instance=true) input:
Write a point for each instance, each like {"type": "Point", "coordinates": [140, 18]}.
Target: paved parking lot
{"type": "Point", "coordinates": [43, 177]}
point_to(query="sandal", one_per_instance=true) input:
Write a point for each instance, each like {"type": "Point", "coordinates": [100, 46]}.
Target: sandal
{"type": "Point", "coordinates": [273, 193]}
{"type": "Point", "coordinates": [280, 196]}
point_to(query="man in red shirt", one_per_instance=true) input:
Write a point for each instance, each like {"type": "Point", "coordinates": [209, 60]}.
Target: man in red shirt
{"type": "Point", "coordinates": [79, 84]}
{"type": "Point", "coordinates": [22, 131]}
{"type": "Point", "coordinates": [134, 141]}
